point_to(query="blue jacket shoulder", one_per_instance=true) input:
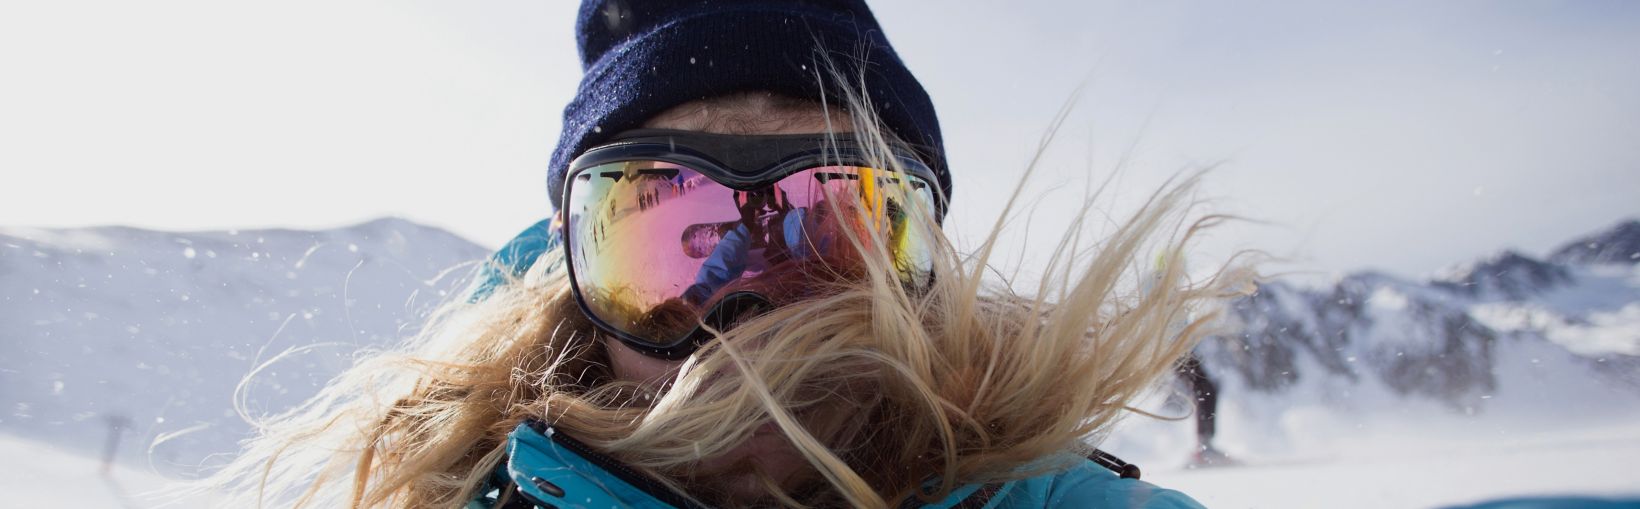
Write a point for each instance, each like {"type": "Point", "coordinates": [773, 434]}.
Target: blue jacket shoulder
{"type": "Point", "coordinates": [1089, 486]}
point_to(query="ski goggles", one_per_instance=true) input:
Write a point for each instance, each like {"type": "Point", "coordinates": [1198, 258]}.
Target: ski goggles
{"type": "Point", "coordinates": [665, 231]}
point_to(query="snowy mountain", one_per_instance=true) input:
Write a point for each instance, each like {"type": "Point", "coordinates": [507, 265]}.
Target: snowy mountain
{"type": "Point", "coordinates": [1618, 245]}
{"type": "Point", "coordinates": [1444, 338]}
{"type": "Point", "coordinates": [149, 332]}
{"type": "Point", "coordinates": [1507, 274]}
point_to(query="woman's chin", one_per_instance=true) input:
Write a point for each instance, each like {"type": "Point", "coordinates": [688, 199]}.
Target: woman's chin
{"type": "Point", "coordinates": [736, 477]}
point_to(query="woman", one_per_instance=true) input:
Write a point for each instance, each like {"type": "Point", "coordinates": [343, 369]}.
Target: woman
{"type": "Point", "coordinates": [744, 299]}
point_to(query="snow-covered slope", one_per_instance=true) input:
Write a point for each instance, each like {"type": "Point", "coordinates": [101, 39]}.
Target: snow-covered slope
{"type": "Point", "coordinates": [37, 474]}
{"type": "Point", "coordinates": [150, 332]}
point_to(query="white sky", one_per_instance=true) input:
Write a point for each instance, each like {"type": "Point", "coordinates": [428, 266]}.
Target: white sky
{"type": "Point", "coordinates": [1395, 135]}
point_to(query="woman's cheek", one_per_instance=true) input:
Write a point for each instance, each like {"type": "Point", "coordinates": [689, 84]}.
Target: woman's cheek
{"type": "Point", "coordinates": [631, 366]}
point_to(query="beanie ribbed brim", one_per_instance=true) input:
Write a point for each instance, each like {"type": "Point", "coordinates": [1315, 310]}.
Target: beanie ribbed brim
{"type": "Point", "coordinates": [714, 52]}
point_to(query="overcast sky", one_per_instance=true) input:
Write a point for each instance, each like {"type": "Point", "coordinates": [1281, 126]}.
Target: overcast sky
{"type": "Point", "coordinates": [1401, 136]}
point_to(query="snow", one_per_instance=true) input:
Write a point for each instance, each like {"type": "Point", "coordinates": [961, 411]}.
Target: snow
{"type": "Point", "coordinates": [35, 474]}
{"type": "Point", "coordinates": [1394, 472]}
{"type": "Point", "coordinates": [1388, 299]}
{"type": "Point", "coordinates": [1597, 315]}
{"type": "Point", "coordinates": [1550, 428]}
{"type": "Point", "coordinates": [1606, 332]}
{"type": "Point", "coordinates": [1591, 335]}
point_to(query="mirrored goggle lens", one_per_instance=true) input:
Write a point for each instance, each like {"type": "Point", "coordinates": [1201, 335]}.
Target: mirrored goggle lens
{"type": "Point", "coordinates": [655, 246]}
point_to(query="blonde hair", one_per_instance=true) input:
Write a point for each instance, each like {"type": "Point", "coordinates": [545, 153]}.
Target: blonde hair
{"type": "Point", "coordinates": [961, 380]}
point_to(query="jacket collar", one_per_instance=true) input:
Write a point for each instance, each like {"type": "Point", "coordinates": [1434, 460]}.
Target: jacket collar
{"type": "Point", "coordinates": [551, 469]}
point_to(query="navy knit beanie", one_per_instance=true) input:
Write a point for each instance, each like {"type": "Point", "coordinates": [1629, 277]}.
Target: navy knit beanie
{"type": "Point", "coordinates": [642, 57]}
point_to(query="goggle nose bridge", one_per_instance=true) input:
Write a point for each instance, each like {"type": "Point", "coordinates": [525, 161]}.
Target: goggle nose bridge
{"type": "Point", "coordinates": [729, 310]}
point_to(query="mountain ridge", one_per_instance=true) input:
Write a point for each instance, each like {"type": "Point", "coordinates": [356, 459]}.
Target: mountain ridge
{"type": "Point", "coordinates": [1437, 338]}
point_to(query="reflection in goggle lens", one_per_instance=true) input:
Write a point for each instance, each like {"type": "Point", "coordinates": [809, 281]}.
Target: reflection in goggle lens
{"type": "Point", "coordinates": [654, 246]}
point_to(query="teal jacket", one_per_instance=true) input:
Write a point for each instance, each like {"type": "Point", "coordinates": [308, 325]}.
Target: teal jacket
{"type": "Point", "coordinates": [546, 469]}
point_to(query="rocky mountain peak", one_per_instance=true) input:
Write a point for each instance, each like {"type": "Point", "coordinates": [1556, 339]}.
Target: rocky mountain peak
{"type": "Point", "coordinates": [1619, 244]}
{"type": "Point", "coordinates": [1507, 274]}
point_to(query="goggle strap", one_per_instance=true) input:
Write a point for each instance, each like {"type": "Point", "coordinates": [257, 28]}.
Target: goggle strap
{"type": "Point", "coordinates": [745, 153]}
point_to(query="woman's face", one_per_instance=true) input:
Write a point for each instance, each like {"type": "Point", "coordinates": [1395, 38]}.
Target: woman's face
{"type": "Point", "coordinates": [731, 474]}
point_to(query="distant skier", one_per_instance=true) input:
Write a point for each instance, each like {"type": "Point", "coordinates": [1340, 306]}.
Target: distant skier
{"type": "Point", "coordinates": [1204, 398]}
{"type": "Point", "coordinates": [1204, 392]}
{"type": "Point", "coordinates": [117, 424]}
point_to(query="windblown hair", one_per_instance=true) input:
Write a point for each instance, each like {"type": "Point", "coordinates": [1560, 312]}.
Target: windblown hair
{"type": "Point", "coordinates": [959, 380]}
